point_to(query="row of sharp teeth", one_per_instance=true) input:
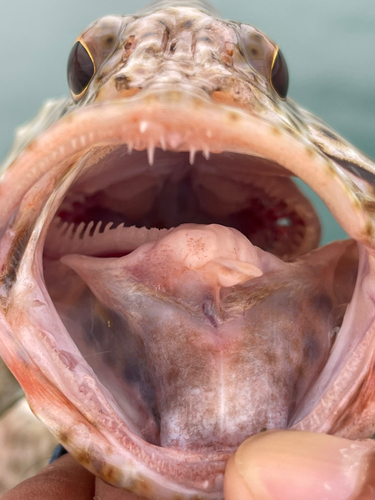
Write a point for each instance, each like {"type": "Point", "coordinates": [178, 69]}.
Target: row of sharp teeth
{"type": "Point", "coordinates": [91, 239]}
{"type": "Point", "coordinates": [174, 141]}
{"type": "Point", "coordinates": [192, 153]}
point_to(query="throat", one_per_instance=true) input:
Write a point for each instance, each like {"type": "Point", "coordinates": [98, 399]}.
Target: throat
{"type": "Point", "coordinates": [195, 333]}
{"type": "Point", "coordinates": [268, 209]}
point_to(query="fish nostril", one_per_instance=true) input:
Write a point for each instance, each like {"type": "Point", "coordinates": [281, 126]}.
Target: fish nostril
{"type": "Point", "coordinates": [129, 46]}
{"type": "Point", "coordinates": [122, 82]}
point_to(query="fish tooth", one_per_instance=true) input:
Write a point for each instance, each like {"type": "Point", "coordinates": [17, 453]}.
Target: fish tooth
{"type": "Point", "coordinates": [69, 231]}
{"type": "Point", "coordinates": [143, 126]}
{"type": "Point", "coordinates": [79, 230]}
{"type": "Point", "coordinates": [97, 228]}
{"type": "Point", "coordinates": [163, 143]}
{"type": "Point", "coordinates": [108, 226]}
{"type": "Point", "coordinates": [64, 228]}
{"type": "Point", "coordinates": [206, 152]}
{"type": "Point", "coordinates": [150, 154]}
{"type": "Point", "coordinates": [192, 156]}
{"type": "Point", "coordinates": [130, 147]}
{"type": "Point", "coordinates": [87, 230]}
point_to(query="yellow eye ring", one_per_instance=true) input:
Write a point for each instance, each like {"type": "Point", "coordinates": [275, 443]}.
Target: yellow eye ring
{"type": "Point", "coordinates": [279, 75]}
{"type": "Point", "coordinates": [81, 69]}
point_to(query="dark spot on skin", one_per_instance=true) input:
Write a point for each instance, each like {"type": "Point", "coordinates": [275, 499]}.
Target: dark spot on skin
{"type": "Point", "coordinates": [275, 130]}
{"type": "Point", "coordinates": [197, 103]}
{"type": "Point", "coordinates": [83, 457]}
{"type": "Point", "coordinates": [31, 146]}
{"type": "Point", "coordinates": [369, 206]}
{"type": "Point", "coordinates": [111, 474]}
{"type": "Point", "coordinates": [142, 486]}
{"type": "Point", "coordinates": [63, 437]}
{"type": "Point", "coordinates": [131, 373]}
{"type": "Point", "coordinates": [254, 51]}
{"type": "Point", "coordinates": [129, 43]}
{"type": "Point", "coordinates": [369, 230]}
{"type": "Point", "coordinates": [271, 358]}
{"type": "Point", "coordinates": [209, 310]}
{"type": "Point", "coordinates": [204, 39]}
{"type": "Point", "coordinates": [322, 303]}
{"type": "Point", "coordinates": [311, 348]}
{"type": "Point", "coordinates": [150, 51]}
{"type": "Point", "coordinates": [109, 40]}
{"type": "Point", "coordinates": [233, 116]}
{"type": "Point", "coordinates": [148, 34]}
{"type": "Point", "coordinates": [172, 376]}
{"type": "Point", "coordinates": [310, 151]}
{"type": "Point", "coordinates": [188, 24]}
{"type": "Point", "coordinates": [329, 134]}
{"type": "Point", "coordinates": [122, 82]}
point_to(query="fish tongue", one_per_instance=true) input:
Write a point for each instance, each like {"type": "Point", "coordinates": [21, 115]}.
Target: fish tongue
{"type": "Point", "coordinates": [189, 262]}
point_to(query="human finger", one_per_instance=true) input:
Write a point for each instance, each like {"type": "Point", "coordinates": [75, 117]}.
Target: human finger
{"type": "Point", "coordinates": [64, 478]}
{"type": "Point", "coordinates": [290, 465]}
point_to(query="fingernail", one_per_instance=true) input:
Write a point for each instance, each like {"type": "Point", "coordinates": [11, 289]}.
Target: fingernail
{"type": "Point", "coordinates": [292, 465]}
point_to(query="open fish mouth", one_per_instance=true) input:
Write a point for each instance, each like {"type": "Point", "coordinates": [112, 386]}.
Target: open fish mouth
{"type": "Point", "coordinates": [150, 359]}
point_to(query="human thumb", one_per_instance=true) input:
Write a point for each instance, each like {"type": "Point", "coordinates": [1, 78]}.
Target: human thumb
{"type": "Point", "coordinates": [294, 465]}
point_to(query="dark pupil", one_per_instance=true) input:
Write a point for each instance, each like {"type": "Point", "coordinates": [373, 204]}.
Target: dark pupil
{"type": "Point", "coordinates": [280, 75]}
{"type": "Point", "coordinates": [80, 68]}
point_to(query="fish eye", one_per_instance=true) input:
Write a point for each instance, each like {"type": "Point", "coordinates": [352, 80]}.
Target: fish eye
{"type": "Point", "coordinates": [280, 74]}
{"type": "Point", "coordinates": [81, 69]}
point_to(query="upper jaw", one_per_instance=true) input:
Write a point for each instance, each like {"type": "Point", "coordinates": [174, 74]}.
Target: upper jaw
{"type": "Point", "coordinates": [178, 121]}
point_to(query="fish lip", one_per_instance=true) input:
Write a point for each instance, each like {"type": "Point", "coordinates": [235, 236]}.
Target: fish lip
{"type": "Point", "coordinates": [327, 174]}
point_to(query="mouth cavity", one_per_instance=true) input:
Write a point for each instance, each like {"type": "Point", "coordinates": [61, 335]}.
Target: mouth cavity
{"type": "Point", "coordinates": [119, 291]}
{"type": "Point", "coordinates": [122, 191]}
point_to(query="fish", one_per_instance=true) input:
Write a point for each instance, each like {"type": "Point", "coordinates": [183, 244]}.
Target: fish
{"type": "Point", "coordinates": [163, 292]}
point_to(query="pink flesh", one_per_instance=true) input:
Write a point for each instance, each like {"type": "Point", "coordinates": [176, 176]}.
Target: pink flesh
{"type": "Point", "coordinates": [224, 338]}
{"type": "Point", "coordinates": [228, 364]}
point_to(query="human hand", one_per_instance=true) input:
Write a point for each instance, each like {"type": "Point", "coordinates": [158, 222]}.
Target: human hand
{"type": "Point", "coordinates": [293, 465]}
{"type": "Point", "coordinates": [273, 465]}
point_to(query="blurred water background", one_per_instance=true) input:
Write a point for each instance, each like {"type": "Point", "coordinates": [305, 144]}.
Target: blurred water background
{"type": "Point", "coordinates": [328, 44]}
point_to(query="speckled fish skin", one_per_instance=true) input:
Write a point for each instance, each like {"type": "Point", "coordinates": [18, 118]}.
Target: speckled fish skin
{"type": "Point", "coordinates": [177, 82]}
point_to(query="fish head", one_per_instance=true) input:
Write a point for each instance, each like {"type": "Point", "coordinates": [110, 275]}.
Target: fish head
{"type": "Point", "coordinates": [163, 296]}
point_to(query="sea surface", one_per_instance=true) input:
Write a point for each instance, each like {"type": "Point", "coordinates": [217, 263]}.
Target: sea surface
{"type": "Point", "coordinates": [328, 44]}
